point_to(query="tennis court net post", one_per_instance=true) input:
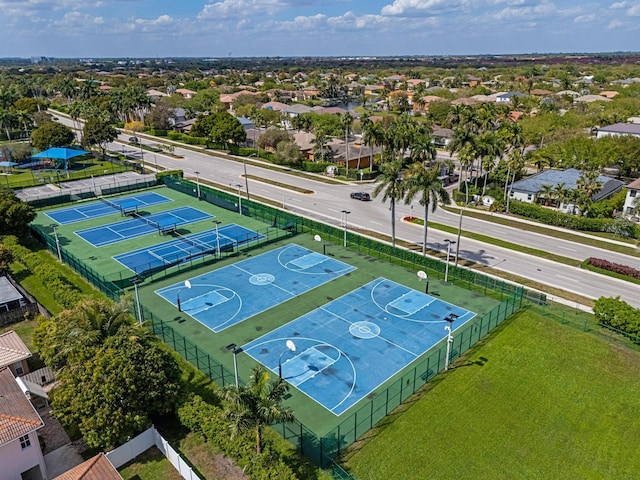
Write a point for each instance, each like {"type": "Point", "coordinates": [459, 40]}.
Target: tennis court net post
{"type": "Point", "coordinates": [203, 246]}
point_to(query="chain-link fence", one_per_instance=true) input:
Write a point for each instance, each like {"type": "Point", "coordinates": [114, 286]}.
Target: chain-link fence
{"type": "Point", "coordinates": [322, 450]}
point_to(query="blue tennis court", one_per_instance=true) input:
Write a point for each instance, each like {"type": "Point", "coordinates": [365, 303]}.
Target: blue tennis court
{"type": "Point", "coordinates": [224, 297]}
{"type": "Point", "coordinates": [142, 225]}
{"type": "Point", "coordinates": [186, 247]}
{"type": "Point", "coordinates": [105, 207]}
{"type": "Point", "coordinates": [352, 345]}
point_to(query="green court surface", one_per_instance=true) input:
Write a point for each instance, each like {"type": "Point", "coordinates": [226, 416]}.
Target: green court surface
{"type": "Point", "coordinates": [308, 412]}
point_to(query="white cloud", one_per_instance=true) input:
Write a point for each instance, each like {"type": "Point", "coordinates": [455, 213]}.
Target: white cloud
{"type": "Point", "coordinates": [527, 13]}
{"type": "Point", "coordinates": [613, 24]}
{"type": "Point", "coordinates": [421, 7]}
{"type": "Point", "coordinates": [619, 5]}
{"type": "Point", "coordinates": [634, 10]}
{"type": "Point", "coordinates": [243, 8]}
{"type": "Point", "coordinates": [586, 18]}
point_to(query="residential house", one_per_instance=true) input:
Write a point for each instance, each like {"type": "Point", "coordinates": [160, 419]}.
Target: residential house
{"type": "Point", "coordinates": [507, 96]}
{"type": "Point", "coordinates": [609, 93]}
{"type": "Point", "coordinates": [20, 454]}
{"type": "Point", "coordinates": [14, 353]}
{"type": "Point", "coordinates": [186, 93]}
{"type": "Point", "coordinates": [591, 99]}
{"type": "Point", "coordinates": [96, 468]}
{"type": "Point", "coordinates": [633, 194]}
{"type": "Point", "coordinates": [442, 137]}
{"type": "Point", "coordinates": [277, 106]}
{"type": "Point", "coordinates": [310, 92]}
{"type": "Point", "coordinates": [155, 95]}
{"type": "Point", "coordinates": [228, 98]}
{"type": "Point", "coordinates": [528, 189]}
{"type": "Point", "coordinates": [618, 129]}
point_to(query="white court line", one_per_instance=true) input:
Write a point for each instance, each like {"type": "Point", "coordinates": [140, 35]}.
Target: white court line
{"type": "Point", "coordinates": [273, 283]}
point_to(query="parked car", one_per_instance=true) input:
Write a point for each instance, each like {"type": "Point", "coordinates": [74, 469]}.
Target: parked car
{"type": "Point", "coordinates": [134, 139]}
{"type": "Point", "coordinates": [365, 197]}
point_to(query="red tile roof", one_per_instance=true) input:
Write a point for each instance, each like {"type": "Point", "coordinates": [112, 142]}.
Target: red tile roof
{"type": "Point", "coordinates": [17, 416]}
{"type": "Point", "coordinates": [12, 349]}
{"type": "Point", "coordinates": [96, 468]}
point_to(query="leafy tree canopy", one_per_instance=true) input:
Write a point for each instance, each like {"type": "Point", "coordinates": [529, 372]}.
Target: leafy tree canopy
{"type": "Point", "coordinates": [16, 215]}
{"type": "Point", "coordinates": [98, 131]}
{"type": "Point", "coordinates": [51, 134]}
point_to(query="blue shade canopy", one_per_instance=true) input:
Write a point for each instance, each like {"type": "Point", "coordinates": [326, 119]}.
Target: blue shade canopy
{"type": "Point", "coordinates": [8, 164]}
{"type": "Point", "coordinates": [58, 153]}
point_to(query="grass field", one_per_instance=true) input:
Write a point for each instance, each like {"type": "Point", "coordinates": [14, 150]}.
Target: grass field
{"type": "Point", "coordinates": [537, 400]}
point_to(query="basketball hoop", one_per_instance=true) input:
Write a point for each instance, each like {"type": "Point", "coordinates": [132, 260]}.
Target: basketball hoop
{"type": "Point", "coordinates": [317, 238]}
{"type": "Point", "coordinates": [421, 275]}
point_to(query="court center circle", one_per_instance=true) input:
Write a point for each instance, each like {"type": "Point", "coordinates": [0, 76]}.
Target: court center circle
{"type": "Point", "coordinates": [364, 330]}
{"type": "Point", "coordinates": [262, 279]}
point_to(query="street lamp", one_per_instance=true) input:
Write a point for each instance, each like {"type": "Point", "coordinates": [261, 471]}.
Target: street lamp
{"type": "Point", "coordinates": [55, 234]}
{"type": "Point", "coordinates": [344, 224]}
{"type": "Point", "coordinates": [187, 284]}
{"type": "Point", "coordinates": [235, 350]}
{"type": "Point", "coordinates": [218, 222]}
{"type": "Point", "coordinates": [239, 198]}
{"type": "Point", "coordinates": [291, 347]}
{"type": "Point", "coordinates": [246, 179]}
{"type": "Point", "coordinates": [459, 231]}
{"type": "Point", "coordinates": [198, 184]}
{"type": "Point", "coordinates": [446, 269]}
{"type": "Point", "coordinates": [448, 329]}
{"type": "Point", "coordinates": [135, 282]}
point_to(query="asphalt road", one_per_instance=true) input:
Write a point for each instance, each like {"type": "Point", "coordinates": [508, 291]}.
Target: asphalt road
{"type": "Point", "coordinates": [328, 201]}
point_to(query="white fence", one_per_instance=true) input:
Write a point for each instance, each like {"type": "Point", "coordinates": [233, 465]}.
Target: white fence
{"type": "Point", "coordinates": [147, 439]}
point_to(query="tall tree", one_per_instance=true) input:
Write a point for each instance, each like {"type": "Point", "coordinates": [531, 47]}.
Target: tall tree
{"type": "Point", "coordinates": [16, 214]}
{"type": "Point", "coordinates": [390, 184]}
{"type": "Point", "coordinates": [423, 182]}
{"type": "Point", "coordinates": [347, 121]}
{"type": "Point", "coordinates": [98, 131]}
{"type": "Point", "coordinates": [51, 134]}
{"type": "Point", "coordinates": [257, 405]}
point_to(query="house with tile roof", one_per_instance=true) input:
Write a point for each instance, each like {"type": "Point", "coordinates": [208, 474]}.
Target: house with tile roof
{"type": "Point", "coordinates": [20, 454]}
{"type": "Point", "coordinates": [14, 353]}
{"type": "Point", "coordinates": [617, 129]}
{"type": "Point", "coordinates": [528, 189]}
{"type": "Point", "coordinates": [96, 468]}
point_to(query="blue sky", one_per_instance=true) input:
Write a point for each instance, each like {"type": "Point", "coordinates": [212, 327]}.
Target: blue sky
{"type": "Point", "coordinates": [219, 28]}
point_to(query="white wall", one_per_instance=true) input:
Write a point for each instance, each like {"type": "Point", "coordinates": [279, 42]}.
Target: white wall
{"type": "Point", "coordinates": [522, 196]}
{"type": "Point", "coordinates": [14, 460]}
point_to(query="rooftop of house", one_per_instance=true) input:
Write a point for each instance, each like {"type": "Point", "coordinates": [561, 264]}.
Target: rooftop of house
{"type": "Point", "coordinates": [567, 177]}
{"type": "Point", "coordinates": [8, 293]}
{"type": "Point", "coordinates": [12, 349]}
{"type": "Point", "coordinates": [96, 468]}
{"type": "Point", "coordinates": [625, 128]}
{"type": "Point", "coordinates": [17, 416]}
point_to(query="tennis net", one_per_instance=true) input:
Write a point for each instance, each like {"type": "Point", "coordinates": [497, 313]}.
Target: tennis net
{"type": "Point", "coordinates": [137, 216]}
{"type": "Point", "coordinates": [199, 244]}
{"type": "Point", "coordinates": [111, 204]}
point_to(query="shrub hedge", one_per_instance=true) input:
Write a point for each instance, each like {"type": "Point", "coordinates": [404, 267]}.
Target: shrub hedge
{"type": "Point", "coordinates": [552, 217]}
{"type": "Point", "coordinates": [614, 267]}
{"type": "Point", "coordinates": [618, 314]}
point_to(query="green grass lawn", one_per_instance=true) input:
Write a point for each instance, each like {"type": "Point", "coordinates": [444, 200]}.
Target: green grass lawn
{"type": "Point", "coordinates": [150, 465]}
{"type": "Point", "coordinates": [538, 400]}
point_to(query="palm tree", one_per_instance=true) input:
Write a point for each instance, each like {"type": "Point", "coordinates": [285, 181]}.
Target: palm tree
{"type": "Point", "coordinates": [392, 187]}
{"type": "Point", "coordinates": [561, 194]}
{"type": "Point", "coordinates": [7, 121]}
{"type": "Point", "coordinates": [423, 182]}
{"type": "Point", "coordinates": [546, 192]}
{"type": "Point", "coordinates": [25, 117]}
{"type": "Point", "coordinates": [257, 405]}
{"type": "Point", "coordinates": [346, 120]}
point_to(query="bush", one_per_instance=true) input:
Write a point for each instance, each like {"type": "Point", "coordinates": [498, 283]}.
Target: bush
{"type": "Point", "coordinates": [614, 267]}
{"type": "Point", "coordinates": [177, 136]}
{"type": "Point", "coordinates": [315, 167]}
{"type": "Point", "coordinates": [618, 314]}
{"type": "Point", "coordinates": [169, 173]}
{"type": "Point", "coordinates": [552, 217]}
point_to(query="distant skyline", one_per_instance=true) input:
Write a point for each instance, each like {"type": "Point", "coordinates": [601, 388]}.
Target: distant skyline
{"type": "Point", "coordinates": [259, 28]}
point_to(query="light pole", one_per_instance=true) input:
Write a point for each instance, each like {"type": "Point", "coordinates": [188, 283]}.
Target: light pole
{"type": "Point", "coordinates": [218, 222]}
{"type": "Point", "coordinates": [135, 282]}
{"type": "Point", "coordinates": [235, 350]}
{"type": "Point", "coordinates": [446, 269]}
{"type": "Point", "coordinates": [198, 184]}
{"type": "Point", "coordinates": [449, 328]}
{"type": "Point", "coordinates": [344, 224]}
{"type": "Point", "coordinates": [291, 347]}
{"type": "Point", "coordinates": [187, 284]}
{"type": "Point", "coordinates": [55, 234]}
{"type": "Point", "coordinates": [459, 231]}
{"type": "Point", "coordinates": [246, 179]}
{"type": "Point", "coordinates": [239, 198]}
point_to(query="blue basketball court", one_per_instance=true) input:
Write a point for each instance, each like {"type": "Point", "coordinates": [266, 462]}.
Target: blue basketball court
{"type": "Point", "coordinates": [347, 348]}
{"type": "Point", "coordinates": [142, 225]}
{"type": "Point", "coordinates": [186, 247]}
{"type": "Point", "coordinates": [105, 207]}
{"type": "Point", "coordinates": [225, 297]}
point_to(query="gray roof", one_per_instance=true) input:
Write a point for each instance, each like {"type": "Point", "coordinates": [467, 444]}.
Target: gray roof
{"type": "Point", "coordinates": [625, 128]}
{"type": "Point", "coordinates": [569, 177]}
{"type": "Point", "coordinates": [298, 108]}
{"type": "Point", "coordinates": [8, 292]}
